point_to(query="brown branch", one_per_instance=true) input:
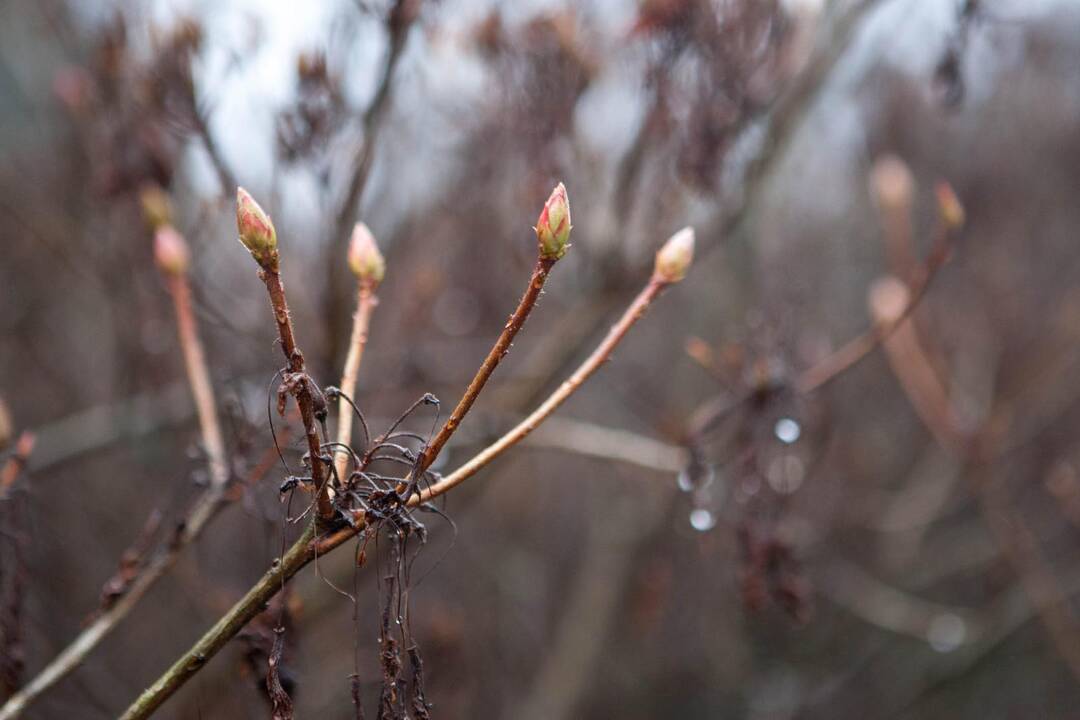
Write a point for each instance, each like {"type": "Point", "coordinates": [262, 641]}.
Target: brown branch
{"type": "Point", "coordinates": [671, 265]}
{"type": "Point", "coordinates": [598, 357]}
{"type": "Point", "coordinates": [303, 391]}
{"type": "Point", "coordinates": [202, 391]}
{"type": "Point", "coordinates": [206, 506]}
{"type": "Point", "coordinates": [257, 234]}
{"type": "Point", "coordinates": [495, 355]}
{"type": "Point", "coordinates": [171, 256]}
{"type": "Point", "coordinates": [859, 347]}
{"type": "Point", "coordinates": [552, 235]}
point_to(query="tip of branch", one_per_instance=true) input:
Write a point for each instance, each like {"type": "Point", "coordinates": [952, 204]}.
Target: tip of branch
{"type": "Point", "coordinates": [365, 260]}
{"type": "Point", "coordinates": [256, 230]}
{"type": "Point", "coordinates": [171, 251]}
{"type": "Point", "coordinates": [553, 226]}
{"type": "Point", "coordinates": [949, 207]}
{"type": "Point", "coordinates": [888, 299]}
{"type": "Point", "coordinates": [891, 183]}
{"type": "Point", "coordinates": [155, 205]}
{"type": "Point", "coordinates": [674, 258]}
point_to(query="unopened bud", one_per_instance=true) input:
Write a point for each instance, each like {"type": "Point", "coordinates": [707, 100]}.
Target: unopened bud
{"type": "Point", "coordinates": [365, 260]}
{"type": "Point", "coordinates": [171, 251]}
{"type": "Point", "coordinates": [155, 206]}
{"type": "Point", "coordinates": [891, 183]}
{"type": "Point", "coordinates": [952, 212]}
{"type": "Point", "coordinates": [673, 259]}
{"type": "Point", "coordinates": [256, 230]}
{"type": "Point", "coordinates": [553, 226]}
{"type": "Point", "coordinates": [888, 299]}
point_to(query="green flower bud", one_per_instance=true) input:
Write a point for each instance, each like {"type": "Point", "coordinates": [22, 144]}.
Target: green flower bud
{"type": "Point", "coordinates": [673, 259]}
{"type": "Point", "coordinates": [553, 226]}
{"type": "Point", "coordinates": [365, 260]}
{"type": "Point", "coordinates": [256, 230]}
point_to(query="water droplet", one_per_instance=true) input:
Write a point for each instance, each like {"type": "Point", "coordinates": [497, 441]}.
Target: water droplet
{"type": "Point", "coordinates": [695, 477]}
{"type": "Point", "coordinates": [702, 520]}
{"type": "Point", "coordinates": [947, 632]}
{"type": "Point", "coordinates": [787, 430]}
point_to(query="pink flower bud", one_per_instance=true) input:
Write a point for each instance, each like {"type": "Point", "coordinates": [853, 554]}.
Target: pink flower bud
{"type": "Point", "coordinates": [256, 230]}
{"type": "Point", "coordinates": [171, 251]}
{"type": "Point", "coordinates": [365, 260]}
{"type": "Point", "coordinates": [891, 183]}
{"type": "Point", "coordinates": [553, 226]}
{"type": "Point", "coordinates": [888, 299]}
{"type": "Point", "coordinates": [673, 259]}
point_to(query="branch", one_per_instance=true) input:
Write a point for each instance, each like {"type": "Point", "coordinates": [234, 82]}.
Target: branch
{"type": "Point", "coordinates": [672, 263]}
{"type": "Point", "coordinates": [951, 218]}
{"type": "Point", "coordinates": [258, 235]}
{"type": "Point", "coordinates": [171, 254]}
{"type": "Point", "coordinates": [553, 235]}
{"type": "Point", "coordinates": [368, 265]}
{"type": "Point", "coordinates": [172, 258]}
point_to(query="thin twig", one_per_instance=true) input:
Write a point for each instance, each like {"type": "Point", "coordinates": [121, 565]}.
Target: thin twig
{"type": "Point", "coordinates": [257, 234]}
{"type": "Point", "coordinates": [859, 347]}
{"type": "Point", "coordinates": [495, 355]}
{"type": "Point", "coordinates": [172, 259]}
{"type": "Point", "coordinates": [596, 441]}
{"type": "Point", "coordinates": [365, 305]}
{"type": "Point", "coordinates": [598, 357]}
{"type": "Point", "coordinates": [202, 391]}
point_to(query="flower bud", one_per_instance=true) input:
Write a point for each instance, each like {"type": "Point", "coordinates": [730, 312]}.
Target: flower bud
{"type": "Point", "coordinates": [952, 212]}
{"type": "Point", "coordinates": [171, 251]}
{"type": "Point", "coordinates": [256, 230]}
{"type": "Point", "coordinates": [553, 226]}
{"type": "Point", "coordinates": [673, 259]}
{"type": "Point", "coordinates": [155, 205]}
{"type": "Point", "coordinates": [888, 299]}
{"type": "Point", "coordinates": [891, 183]}
{"type": "Point", "coordinates": [365, 260]}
